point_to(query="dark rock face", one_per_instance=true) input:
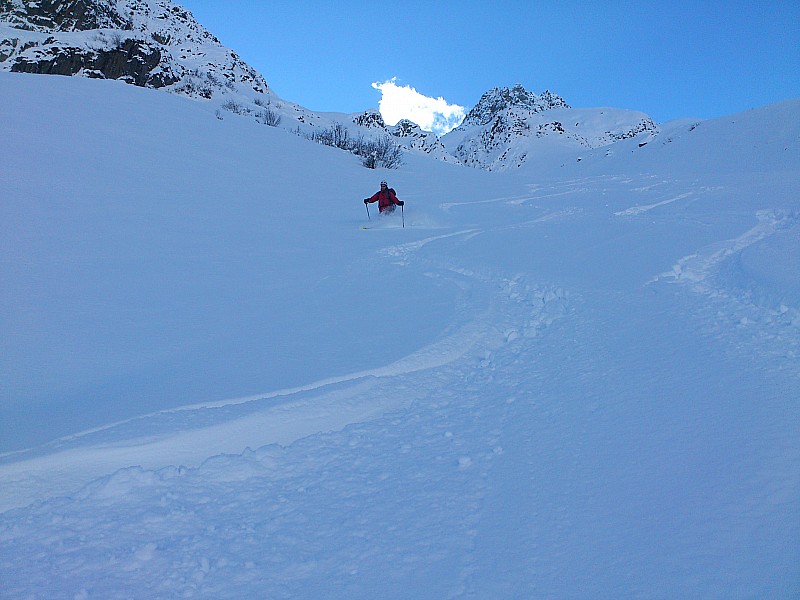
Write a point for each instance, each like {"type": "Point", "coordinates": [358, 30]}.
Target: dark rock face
{"type": "Point", "coordinates": [59, 15]}
{"type": "Point", "coordinates": [133, 61]}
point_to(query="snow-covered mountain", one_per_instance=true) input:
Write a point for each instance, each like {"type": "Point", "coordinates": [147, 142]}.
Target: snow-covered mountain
{"type": "Point", "coordinates": [498, 100]}
{"type": "Point", "coordinates": [159, 44]}
{"type": "Point", "coordinates": [509, 127]}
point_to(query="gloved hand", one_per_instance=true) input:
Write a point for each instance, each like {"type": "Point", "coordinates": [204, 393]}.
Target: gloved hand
{"type": "Point", "coordinates": [400, 203]}
{"type": "Point", "coordinates": [366, 200]}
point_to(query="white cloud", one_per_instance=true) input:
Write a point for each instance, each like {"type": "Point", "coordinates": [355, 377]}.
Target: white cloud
{"type": "Point", "coordinates": [404, 102]}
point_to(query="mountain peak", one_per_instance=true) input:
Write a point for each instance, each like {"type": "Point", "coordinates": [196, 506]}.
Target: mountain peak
{"type": "Point", "coordinates": [498, 99]}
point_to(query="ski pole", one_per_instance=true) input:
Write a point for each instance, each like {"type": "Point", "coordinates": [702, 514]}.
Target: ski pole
{"type": "Point", "coordinates": [403, 215]}
{"type": "Point", "coordinates": [367, 207]}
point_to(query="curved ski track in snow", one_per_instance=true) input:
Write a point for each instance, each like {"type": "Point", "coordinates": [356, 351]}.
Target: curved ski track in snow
{"type": "Point", "coordinates": [696, 268]}
{"type": "Point", "coordinates": [188, 435]}
{"type": "Point", "coordinates": [772, 329]}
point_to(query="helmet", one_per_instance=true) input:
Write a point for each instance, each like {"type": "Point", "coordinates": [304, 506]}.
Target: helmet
{"type": "Point", "coordinates": [383, 183]}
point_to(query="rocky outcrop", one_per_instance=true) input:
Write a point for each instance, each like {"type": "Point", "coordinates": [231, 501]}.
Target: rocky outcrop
{"type": "Point", "coordinates": [132, 61]}
{"type": "Point", "coordinates": [150, 43]}
{"type": "Point", "coordinates": [499, 99]}
{"type": "Point", "coordinates": [371, 119]}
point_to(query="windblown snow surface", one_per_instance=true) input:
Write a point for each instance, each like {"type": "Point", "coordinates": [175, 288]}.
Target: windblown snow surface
{"type": "Point", "coordinates": [576, 380]}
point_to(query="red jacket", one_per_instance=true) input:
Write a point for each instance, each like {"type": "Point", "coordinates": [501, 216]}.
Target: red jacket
{"type": "Point", "coordinates": [385, 199]}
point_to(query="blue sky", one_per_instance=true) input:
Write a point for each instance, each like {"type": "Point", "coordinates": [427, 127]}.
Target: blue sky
{"type": "Point", "coordinates": [668, 59]}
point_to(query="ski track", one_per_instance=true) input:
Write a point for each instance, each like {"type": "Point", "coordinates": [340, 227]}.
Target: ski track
{"type": "Point", "coordinates": [402, 251]}
{"type": "Point", "coordinates": [576, 187]}
{"type": "Point", "coordinates": [188, 435]}
{"type": "Point", "coordinates": [637, 210]}
{"type": "Point", "coordinates": [772, 331]}
{"type": "Point", "coordinates": [696, 268]}
{"type": "Point", "coordinates": [640, 209]}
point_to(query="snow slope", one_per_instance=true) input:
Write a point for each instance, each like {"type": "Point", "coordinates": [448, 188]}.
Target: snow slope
{"type": "Point", "coordinates": [563, 382]}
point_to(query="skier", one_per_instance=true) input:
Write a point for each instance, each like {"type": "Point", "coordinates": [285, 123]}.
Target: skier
{"type": "Point", "coordinates": [386, 199]}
